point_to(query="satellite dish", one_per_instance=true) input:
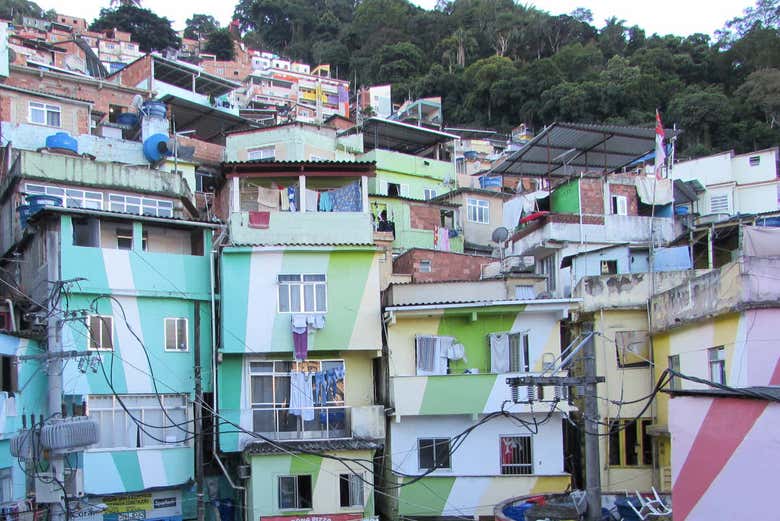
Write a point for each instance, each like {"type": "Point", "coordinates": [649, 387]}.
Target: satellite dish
{"type": "Point", "coordinates": [500, 234]}
{"type": "Point", "coordinates": [137, 102]}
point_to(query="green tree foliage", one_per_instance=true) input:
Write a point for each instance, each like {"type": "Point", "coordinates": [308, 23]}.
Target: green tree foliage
{"type": "Point", "coordinates": [220, 44]}
{"type": "Point", "coordinates": [499, 63]}
{"type": "Point", "coordinates": [16, 9]}
{"type": "Point", "coordinates": [152, 32]}
{"type": "Point", "coordinates": [200, 25]}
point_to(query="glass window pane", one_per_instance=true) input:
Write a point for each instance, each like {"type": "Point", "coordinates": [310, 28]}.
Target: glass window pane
{"type": "Point", "coordinates": [170, 333]}
{"type": "Point", "coordinates": [321, 298]}
{"type": "Point", "coordinates": [284, 298]}
{"type": "Point", "coordinates": [262, 390]}
{"type": "Point", "coordinates": [181, 331]}
{"type": "Point", "coordinates": [295, 298]}
{"type": "Point", "coordinates": [286, 492]}
{"type": "Point", "coordinates": [308, 298]}
{"type": "Point", "coordinates": [282, 391]}
{"type": "Point", "coordinates": [261, 367]}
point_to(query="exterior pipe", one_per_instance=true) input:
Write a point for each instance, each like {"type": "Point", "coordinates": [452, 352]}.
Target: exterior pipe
{"type": "Point", "coordinates": [11, 314]}
{"type": "Point", "coordinates": [215, 427]}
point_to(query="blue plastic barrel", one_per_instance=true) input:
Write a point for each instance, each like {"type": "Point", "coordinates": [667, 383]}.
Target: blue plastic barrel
{"type": "Point", "coordinates": [681, 210]}
{"type": "Point", "coordinates": [156, 147]}
{"type": "Point", "coordinates": [517, 512]}
{"type": "Point", "coordinates": [24, 214]}
{"type": "Point", "coordinates": [35, 200]}
{"type": "Point", "coordinates": [63, 141]}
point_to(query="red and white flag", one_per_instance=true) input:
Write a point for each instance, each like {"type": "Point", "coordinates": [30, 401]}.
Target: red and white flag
{"type": "Point", "coordinates": [660, 149]}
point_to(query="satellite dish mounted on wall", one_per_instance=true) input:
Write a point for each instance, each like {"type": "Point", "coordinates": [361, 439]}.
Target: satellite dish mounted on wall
{"type": "Point", "coordinates": [500, 234]}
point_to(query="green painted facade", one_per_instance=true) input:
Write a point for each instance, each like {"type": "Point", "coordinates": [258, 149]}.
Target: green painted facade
{"type": "Point", "coordinates": [566, 198]}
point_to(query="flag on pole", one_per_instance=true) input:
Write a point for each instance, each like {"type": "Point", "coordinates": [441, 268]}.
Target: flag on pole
{"type": "Point", "coordinates": [660, 149]}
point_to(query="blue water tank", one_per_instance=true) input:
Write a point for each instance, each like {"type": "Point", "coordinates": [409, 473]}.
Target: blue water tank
{"type": "Point", "coordinates": [63, 141]}
{"type": "Point", "coordinates": [681, 210]}
{"type": "Point", "coordinates": [127, 118]}
{"type": "Point", "coordinates": [153, 108]}
{"type": "Point", "coordinates": [156, 147]}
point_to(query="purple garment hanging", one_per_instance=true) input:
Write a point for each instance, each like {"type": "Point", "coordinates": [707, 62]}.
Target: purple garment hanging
{"type": "Point", "coordinates": [301, 343]}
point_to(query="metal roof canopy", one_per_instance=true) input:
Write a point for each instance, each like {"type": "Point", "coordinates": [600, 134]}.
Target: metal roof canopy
{"type": "Point", "coordinates": [563, 149]}
{"type": "Point", "coordinates": [401, 137]}
{"type": "Point", "coordinates": [209, 123]}
{"type": "Point", "coordinates": [182, 75]}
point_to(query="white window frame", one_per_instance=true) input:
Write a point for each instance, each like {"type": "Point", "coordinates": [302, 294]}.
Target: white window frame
{"type": "Point", "coordinates": [302, 284]}
{"type": "Point", "coordinates": [429, 193]}
{"type": "Point", "coordinates": [100, 344]}
{"type": "Point", "coordinates": [434, 441]}
{"type": "Point", "coordinates": [519, 352]}
{"type": "Point", "coordinates": [143, 408]}
{"type": "Point", "coordinates": [77, 198]}
{"type": "Point", "coordinates": [716, 360]}
{"type": "Point", "coordinates": [261, 153]}
{"type": "Point", "coordinates": [477, 210]}
{"type": "Point", "coordinates": [157, 207]}
{"type": "Point", "coordinates": [45, 110]}
{"type": "Point", "coordinates": [426, 266]}
{"type": "Point", "coordinates": [522, 467]}
{"type": "Point", "coordinates": [619, 205]}
{"type": "Point", "coordinates": [298, 501]}
{"type": "Point", "coordinates": [355, 482]}
{"type": "Point", "coordinates": [176, 333]}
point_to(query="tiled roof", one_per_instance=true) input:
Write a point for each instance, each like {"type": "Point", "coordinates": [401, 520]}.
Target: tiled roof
{"type": "Point", "coordinates": [282, 447]}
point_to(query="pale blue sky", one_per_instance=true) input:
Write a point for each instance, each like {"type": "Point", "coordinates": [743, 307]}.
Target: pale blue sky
{"type": "Point", "coordinates": [682, 17]}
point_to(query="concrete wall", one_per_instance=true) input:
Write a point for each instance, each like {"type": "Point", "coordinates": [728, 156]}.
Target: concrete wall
{"type": "Point", "coordinates": [74, 117]}
{"type": "Point", "coordinates": [293, 142]}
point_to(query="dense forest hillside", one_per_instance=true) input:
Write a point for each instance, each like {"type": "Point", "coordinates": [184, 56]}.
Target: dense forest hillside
{"type": "Point", "coordinates": [497, 63]}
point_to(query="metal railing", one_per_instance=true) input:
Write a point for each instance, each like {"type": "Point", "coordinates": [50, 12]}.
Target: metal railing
{"type": "Point", "coordinates": [313, 423]}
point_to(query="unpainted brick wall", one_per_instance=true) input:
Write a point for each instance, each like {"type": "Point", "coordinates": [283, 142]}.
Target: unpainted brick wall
{"type": "Point", "coordinates": [444, 265]}
{"type": "Point", "coordinates": [424, 217]}
{"type": "Point", "coordinates": [629, 191]}
{"type": "Point", "coordinates": [592, 196]}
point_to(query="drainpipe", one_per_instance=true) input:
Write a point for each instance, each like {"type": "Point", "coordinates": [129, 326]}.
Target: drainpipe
{"type": "Point", "coordinates": [11, 313]}
{"type": "Point", "coordinates": [215, 424]}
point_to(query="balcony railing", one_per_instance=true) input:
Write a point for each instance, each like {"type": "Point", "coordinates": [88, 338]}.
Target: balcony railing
{"type": "Point", "coordinates": [328, 422]}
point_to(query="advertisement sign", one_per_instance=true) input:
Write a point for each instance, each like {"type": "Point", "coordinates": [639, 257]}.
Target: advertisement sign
{"type": "Point", "coordinates": [155, 506]}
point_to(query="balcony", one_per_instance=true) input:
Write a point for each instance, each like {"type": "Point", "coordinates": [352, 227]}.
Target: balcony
{"type": "Point", "coordinates": [592, 228]}
{"type": "Point", "coordinates": [390, 161]}
{"type": "Point", "coordinates": [327, 423]}
{"type": "Point", "coordinates": [748, 283]}
{"type": "Point", "coordinates": [303, 228]}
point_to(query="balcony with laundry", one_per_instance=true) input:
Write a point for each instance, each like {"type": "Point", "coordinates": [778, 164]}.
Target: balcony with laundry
{"type": "Point", "coordinates": [298, 202]}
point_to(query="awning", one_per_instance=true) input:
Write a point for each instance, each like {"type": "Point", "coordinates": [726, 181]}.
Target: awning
{"type": "Point", "coordinates": [565, 149]}
{"type": "Point", "coordinates": [401, 137]}
{"type": "Point", "coordinates": [182, 75]}
{"type": "Point", "coordinates": [209, 123]}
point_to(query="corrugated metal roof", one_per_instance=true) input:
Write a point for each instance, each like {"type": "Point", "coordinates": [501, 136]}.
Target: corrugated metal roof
{"type": "Point", "coordinates": [579, 147]}
{"type": "Point", "coordinates": [282, 447]}
{"type": "Point", "coordinates": [299, 163]}
{"type": "Point", "coordinates": [134, 216]}
{"type": "Point", "coordinates": [45, 94]}
{"type": "Point", "coordinates": [478, 191]}
{"type": "Point", "coordinates": [411, 199]}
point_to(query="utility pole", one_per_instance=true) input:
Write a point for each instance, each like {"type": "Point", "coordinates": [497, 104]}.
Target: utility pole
{"type": "Point", "coordinates": [591, 415]}
{"type": "Point", "coordinates": [591, 421]}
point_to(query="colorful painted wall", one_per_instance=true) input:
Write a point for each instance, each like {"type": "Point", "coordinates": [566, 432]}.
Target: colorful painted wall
{"type": "Point", "coordinates": [139, 290]}
{"type": "Point", "coordinates": [622, 384]}
{"type": "Point", "coordinates": [324, 472]}
{"type": "Point", "coordinates": [749, 340]}
{"type": "Point", "coordinates": [408, 235]}
{"type": "Point", "coordinates": [724, 448]}
{"type": "Point", "coordinates": [30, 399]}
{"type": "Point", "coordinates": [251, 321]}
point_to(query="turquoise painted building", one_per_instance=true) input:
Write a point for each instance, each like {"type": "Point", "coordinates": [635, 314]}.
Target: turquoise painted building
{"type": "Point", "coordinates": [116, 284]}
{"type": "Point", "coordinates": [300, 338]}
